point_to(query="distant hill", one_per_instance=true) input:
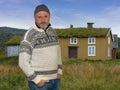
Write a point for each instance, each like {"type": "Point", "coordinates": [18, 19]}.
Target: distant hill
{"type": "Point", "coordinates": [7, 32]}
{"type": "Point", "coordinates": [14, 31]}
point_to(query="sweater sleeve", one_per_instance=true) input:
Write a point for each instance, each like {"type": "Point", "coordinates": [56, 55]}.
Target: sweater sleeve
{"type": "Point", "coordinates": [59, 62]}
{"type": "Point", "coordinates": [25, 52]}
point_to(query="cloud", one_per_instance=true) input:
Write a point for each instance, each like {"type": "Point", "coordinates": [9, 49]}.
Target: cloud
{"type": "Point", "coordinates": [38, 1]}
{"type": "Point", "coordinates": [113, 10]}
{"type": "Point", "coordinates": [16, 22]}
{"type": "Point", "coordinates": [109, 17]}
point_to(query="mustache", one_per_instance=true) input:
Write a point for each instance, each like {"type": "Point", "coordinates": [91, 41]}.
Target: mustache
{"type": "Point", "coordinates": [43, 23]}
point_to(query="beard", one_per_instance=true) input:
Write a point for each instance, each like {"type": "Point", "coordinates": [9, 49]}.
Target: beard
{"type": "Point", "coordinates": [43, 25]}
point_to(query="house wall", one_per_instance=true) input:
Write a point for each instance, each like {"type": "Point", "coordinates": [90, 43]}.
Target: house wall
{"type": "Point", "coordinates": [64, 43]}
{"type": "Point", "coordinates": [101, 48]}
{"type": "Point", "coordinates": [12, 50]}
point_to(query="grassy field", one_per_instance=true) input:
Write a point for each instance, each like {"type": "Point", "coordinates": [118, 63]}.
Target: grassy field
{"type": "Point", "coordinates": [77, 75]}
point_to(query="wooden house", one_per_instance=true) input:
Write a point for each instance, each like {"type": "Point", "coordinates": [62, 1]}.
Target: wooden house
{"type": "Point", "coordinates": [86, 43]}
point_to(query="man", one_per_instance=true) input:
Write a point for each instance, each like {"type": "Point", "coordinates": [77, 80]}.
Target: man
{"type": "Point", "coordinates": [40, 56]}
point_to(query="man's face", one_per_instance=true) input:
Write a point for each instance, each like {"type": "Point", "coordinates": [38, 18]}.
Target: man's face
{"type": "Point", "coordinates": [42, 19]}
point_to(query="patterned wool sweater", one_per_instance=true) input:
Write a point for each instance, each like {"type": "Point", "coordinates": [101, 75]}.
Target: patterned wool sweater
{"type": "Point", "coordinates": [40, 55]}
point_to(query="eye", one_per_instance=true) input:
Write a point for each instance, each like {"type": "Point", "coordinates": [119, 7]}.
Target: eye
{"type": "Point", "coordinates": [46, 16]}
{"type": "Point", "coordinates": [39, 17]}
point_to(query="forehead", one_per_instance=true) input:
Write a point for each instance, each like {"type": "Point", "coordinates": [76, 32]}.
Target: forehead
{"type": "Point", "coordinates": [42, 13]}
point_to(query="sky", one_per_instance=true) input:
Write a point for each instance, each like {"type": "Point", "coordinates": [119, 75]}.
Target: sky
{"type": "Point", "coordinates": [103, 13]}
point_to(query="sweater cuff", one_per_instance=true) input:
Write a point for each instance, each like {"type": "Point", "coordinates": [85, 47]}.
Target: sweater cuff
{"type": "Point", "coordinates": [60, 71]}
{"type": "Point", "coordinates": [36, 80]}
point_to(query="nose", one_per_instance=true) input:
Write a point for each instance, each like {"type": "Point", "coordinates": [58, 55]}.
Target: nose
{"type": "Point", "coordinates": [43, 20]}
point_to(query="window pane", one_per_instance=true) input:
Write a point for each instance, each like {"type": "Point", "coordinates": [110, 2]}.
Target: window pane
{"type": "Point", "coordinates": [91, 50]}
{"type": "Point", "coordinates": [91, 40]}
{"type": "Point", "coordinates": [73, 40]}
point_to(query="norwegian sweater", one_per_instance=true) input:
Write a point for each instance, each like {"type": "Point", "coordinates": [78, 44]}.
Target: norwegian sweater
{"type": "Point", "coordinates": [40, 55]}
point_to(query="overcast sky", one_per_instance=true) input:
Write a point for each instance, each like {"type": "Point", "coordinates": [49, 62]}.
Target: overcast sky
{"type": "Point", "coordinates": [104, 13]}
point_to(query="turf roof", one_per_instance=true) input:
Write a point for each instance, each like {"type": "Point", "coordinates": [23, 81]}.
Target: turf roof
{"type": "Point", "coordinates": [82, 32]}
{"type": "Point", "coordinates": [15, 40]}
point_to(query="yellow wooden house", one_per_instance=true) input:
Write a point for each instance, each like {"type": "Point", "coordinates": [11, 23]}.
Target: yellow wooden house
{"type": "Point", "coordinates": [86, 43]}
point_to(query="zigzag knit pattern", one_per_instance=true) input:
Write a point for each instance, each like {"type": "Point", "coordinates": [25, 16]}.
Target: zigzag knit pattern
{"type": "Point", "coordinates": [36, 39]}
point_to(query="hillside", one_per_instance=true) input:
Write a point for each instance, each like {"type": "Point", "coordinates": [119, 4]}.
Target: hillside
{"type": "Point", "coordinates": [7, 32]}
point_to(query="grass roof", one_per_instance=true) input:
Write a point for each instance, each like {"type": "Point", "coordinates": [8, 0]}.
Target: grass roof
{"type": "Point", "coordinates": [82, 32]}
{"type": "Point", "coordinates": [15, 40]}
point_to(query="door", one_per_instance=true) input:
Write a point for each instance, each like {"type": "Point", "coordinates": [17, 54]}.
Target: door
{"type": "Point", "coordinates": [114, 53]}
{"type": "Point", "coordinates": [73, 52]}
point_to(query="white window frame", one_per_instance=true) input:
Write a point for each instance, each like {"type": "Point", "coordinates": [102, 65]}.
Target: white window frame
{"type": "Point", "coordinates": [91, 51]}
{"type": "Point", "coordinates": [73, 40]}
{"type": "Point", "coordinates": [108, 40]}
{"type": "Point", "coordinates": [91, 40]}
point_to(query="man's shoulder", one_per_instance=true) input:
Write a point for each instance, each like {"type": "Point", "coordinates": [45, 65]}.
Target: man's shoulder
{"type": "Point", "coordinates": [51, 29]}
{"type": "Point", "coordinates": [30, 32]}
{"type": "Point", "coordinates": [32, 28]}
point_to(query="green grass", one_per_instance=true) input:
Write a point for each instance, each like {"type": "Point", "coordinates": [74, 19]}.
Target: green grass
{"type": "Point", "coordinates": [77, 75]}
{"type": "Point", "coordinates": [11, 76]}
{"type": "Point", "coordinates": [91, 75]}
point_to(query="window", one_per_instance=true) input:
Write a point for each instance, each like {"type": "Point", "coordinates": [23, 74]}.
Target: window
{"type": "Point", "coordinates": [91, 40]}
{"type": "Point", "coordinates": [108, 40]}
{"type": "Point", "coordinates": [108, 51]}
{"type": "Point", "coordinates": [73, 40]}
{"type": "Point", "coordinates": [91, 51]}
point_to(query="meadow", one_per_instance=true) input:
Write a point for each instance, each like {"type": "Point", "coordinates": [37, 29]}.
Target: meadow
{"type": "Point", "coordinates": [77, 75]}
